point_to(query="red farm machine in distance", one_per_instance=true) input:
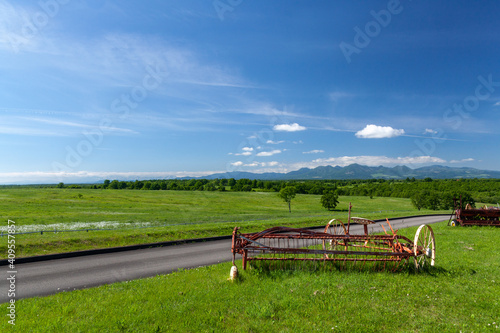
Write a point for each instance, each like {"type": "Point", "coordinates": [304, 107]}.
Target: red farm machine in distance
{"type": "Point", "coordinates": [468, 216]}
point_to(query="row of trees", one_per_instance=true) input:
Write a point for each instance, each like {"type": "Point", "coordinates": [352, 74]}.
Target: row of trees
{"type": "Point", "coordinates": [426, 193]}
{"type": "Point", "coordinates": [484, 190]}
{"type": "Point", "coordinates": [372, 187]}
{"type": "Point", "coordinates": [444, 201]}
{"type": "Point", "coordinates": [305, 187]}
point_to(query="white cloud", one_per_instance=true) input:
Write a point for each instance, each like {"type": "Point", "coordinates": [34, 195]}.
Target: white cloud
{"type": "Point", "coordinates": [368, 160]}
{"type": "Point", "coordinates": [30, 126]}
{"type": "Point", "coordinates": [345, 161]}
{"type": "Point", "coordinates": [268, 110]}
{"type": "Point", "coordinates": [120, 59]}
{"type": "Point", "coordinates": [289, 127]}
{"type": "Point", "coordinates": [247, 151]}
{"type": "Point", "coordinates": [315, 151]}
{"type": "Point", "coordinates": [30, 131]}
{"type": "Point", "coordinates": [49, 177]}
{"type": "Point", "coordinates": [378, 132]}
{"type": "Point", "coordinates": [497, 104]}
{"type": "Point", "coordinates": [269, 153]}
{"type": "Point", "coordinates": [430, 131]}
{"type": "Point", "coordinates": [271, 142]}
{"type": "Point", "coordinates": [14, 26]}
{"type": "Point", "coordinates": [462, 160]}
{"type": "Point", "coordinates": [241, 164]}
{"type": "Point", "coordinates": [255, 164]}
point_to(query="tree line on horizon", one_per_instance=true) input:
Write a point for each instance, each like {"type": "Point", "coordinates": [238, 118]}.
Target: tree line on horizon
{"type": "Point", "coordinates": [425, 193]}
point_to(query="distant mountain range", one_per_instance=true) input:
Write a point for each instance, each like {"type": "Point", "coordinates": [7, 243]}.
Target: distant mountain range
{"type": "Point", "coordinates": [356, 171]}
{"type": "Point", "coordinates": [353, 171]}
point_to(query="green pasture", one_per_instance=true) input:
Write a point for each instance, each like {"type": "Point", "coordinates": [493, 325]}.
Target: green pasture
{"type": "Point", "coordinates": [460, 294]}
{"type": "Point", "coordinates": [137, 217]}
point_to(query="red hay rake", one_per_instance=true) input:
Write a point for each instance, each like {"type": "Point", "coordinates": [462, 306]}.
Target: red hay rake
{"type": "Point", "coordinates": [283, 244]}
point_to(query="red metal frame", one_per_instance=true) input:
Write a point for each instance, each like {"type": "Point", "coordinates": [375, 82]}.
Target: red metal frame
{"type": "Point", "coordinates": [477, 216]}
{"type": "Point", "coordinates": [289, 244]}
{"type": "Point", "coordinates": [481, 216]}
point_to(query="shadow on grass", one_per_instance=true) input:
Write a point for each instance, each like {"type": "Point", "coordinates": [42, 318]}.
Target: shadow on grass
{"type": "Point", "coordinates": [285, 268]}
{"type": "Point", "coordinates": [338, 210]}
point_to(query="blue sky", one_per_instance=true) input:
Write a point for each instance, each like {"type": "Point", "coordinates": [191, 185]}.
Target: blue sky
{"type": "Point", "coordinates": [153, 89]}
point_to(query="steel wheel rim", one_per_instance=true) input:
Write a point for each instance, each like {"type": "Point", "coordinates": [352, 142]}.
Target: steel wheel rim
{"type": "Point", "coordinates": [424, 247]}
{"type": "Point", "coordinates": [334, 227]}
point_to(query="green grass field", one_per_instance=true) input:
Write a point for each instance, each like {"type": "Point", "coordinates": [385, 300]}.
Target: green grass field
{"type": "Point", "coordinates": [138, 217]}
{"type": "Point", "coordinates": [459, 294]}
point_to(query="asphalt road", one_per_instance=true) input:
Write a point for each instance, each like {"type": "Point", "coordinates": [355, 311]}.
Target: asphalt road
{"type": "Point", "coordinates": [53, 276]}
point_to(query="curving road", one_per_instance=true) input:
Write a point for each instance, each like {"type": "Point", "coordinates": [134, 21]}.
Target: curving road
{"type": "Point", "coordinates": [53, 276]}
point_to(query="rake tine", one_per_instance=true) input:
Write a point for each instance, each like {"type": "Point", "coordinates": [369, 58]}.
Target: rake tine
{"type": "Point", "coordinates": [394, 233]}
{"type": "Point", "coordinates": [384, 229]}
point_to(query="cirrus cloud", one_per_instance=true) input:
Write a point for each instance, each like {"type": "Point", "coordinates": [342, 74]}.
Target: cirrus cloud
{"type": "Point", "coordinates": [378, 132]}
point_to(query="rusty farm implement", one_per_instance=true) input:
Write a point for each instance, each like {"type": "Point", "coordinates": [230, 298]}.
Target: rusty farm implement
{"type": "Point", "coordinates": [468, 216]}
{"type": "Point", "coordinates": [336, 244]}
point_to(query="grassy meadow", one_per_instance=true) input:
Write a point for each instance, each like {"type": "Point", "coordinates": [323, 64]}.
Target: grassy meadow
{"type": "Point", "coordinates": [460, 294]}
{"type": "Point", "coordinates": [137, 217]}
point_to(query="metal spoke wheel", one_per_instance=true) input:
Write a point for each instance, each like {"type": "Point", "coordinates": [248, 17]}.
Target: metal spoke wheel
{"type": "Point", "coordinates": [334, 227]}
{"type": "Point", "coordinates": [424, 247]}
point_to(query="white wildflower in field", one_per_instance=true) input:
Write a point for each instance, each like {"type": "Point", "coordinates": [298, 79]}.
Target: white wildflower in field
{"type": "Point", "coordinates": [76, 226]}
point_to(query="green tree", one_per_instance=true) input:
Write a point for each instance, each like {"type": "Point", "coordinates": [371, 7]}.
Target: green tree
{"type": "Point", "coordinates": [198, 186]}
{"type": "Point", "coordinates": [316, 189]}
{"type": "Point", "coordinates": [287, 194]}
{"type": "Point", "coordinates": [330, 199]}
{"type": "Point", "coordinates": [209, 187]}
{"type": "Point", "coordinates": [446, 201]}
{"type": "Point", "coordinates": [466, 198]}
{"type": "Point", "coordinates": [115, 184]}
{"type": "Point", "coordinates": [419, 200]}
{"type": "Point", "coordinates": [433, 201]}
{"type": "Point", "coordinates": [246, 188]}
